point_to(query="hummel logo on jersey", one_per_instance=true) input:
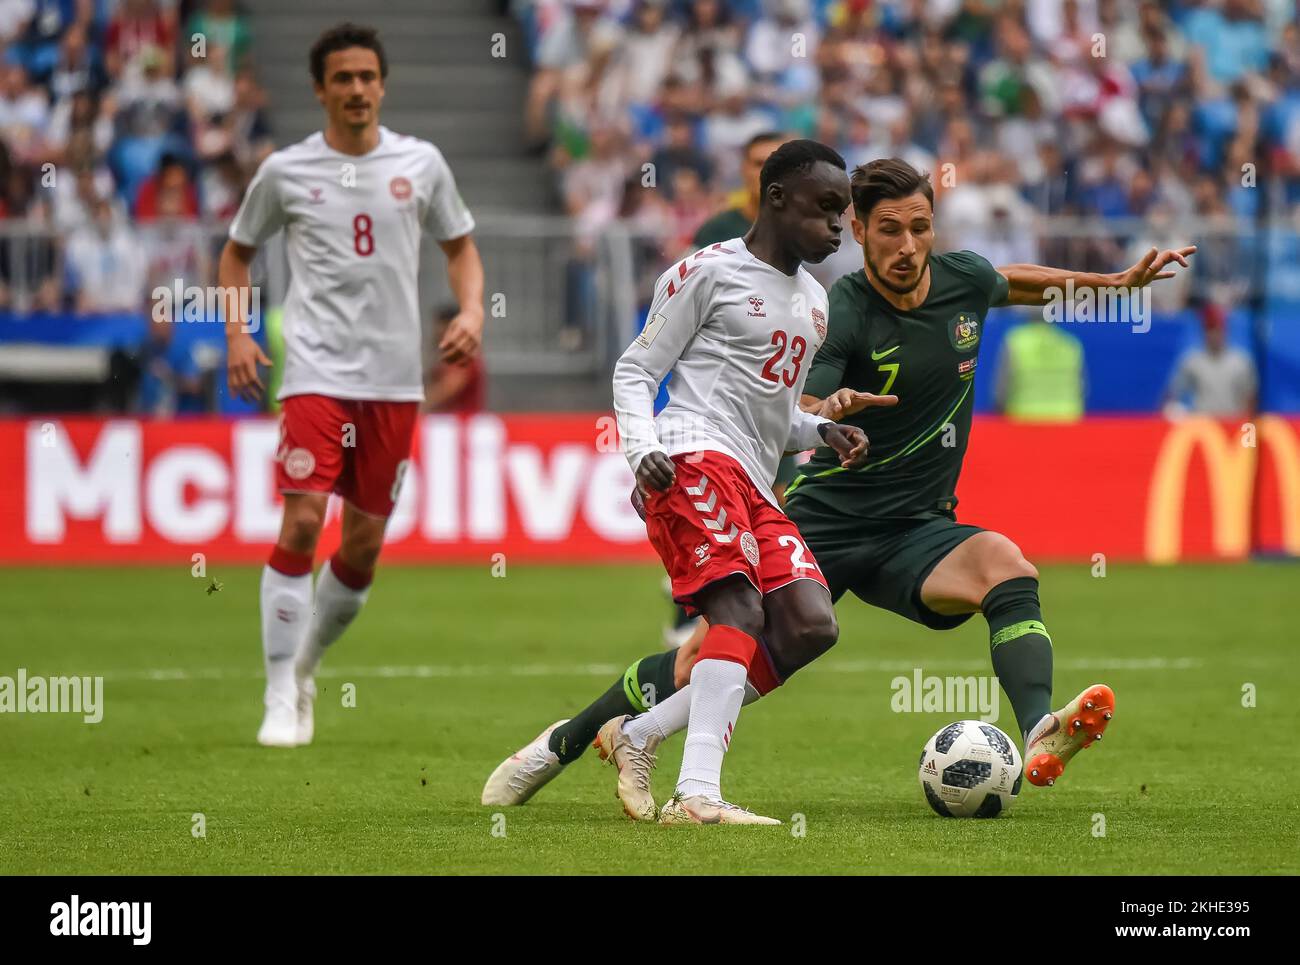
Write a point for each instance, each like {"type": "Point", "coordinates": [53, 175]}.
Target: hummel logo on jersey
{"type": "Point", "coordinates": [757, 304]}
{"type": "Point", "coordinates": [877, 356]}
{"type": "Point", "coordinates": [819, 322]}
{"type": "Point", "coordinates": [317, 196]}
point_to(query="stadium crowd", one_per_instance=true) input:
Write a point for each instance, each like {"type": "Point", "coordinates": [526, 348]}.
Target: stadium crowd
{"type": "Point", "coordinates": [1112, 109]}
{"type": "Point", "coordinates": [127, 124]}
{"type": "Point", "coordinates": [129, 129]}
{"type": "Point", "coordinates": [118, 116]}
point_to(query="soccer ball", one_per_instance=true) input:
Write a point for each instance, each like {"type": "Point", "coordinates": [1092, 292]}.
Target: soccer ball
{"type": "Point", "coordinates": [970, 769]}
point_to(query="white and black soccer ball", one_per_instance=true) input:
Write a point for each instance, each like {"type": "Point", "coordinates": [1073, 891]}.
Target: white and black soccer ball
{"type": "Point", "coordinates": [970, 769]}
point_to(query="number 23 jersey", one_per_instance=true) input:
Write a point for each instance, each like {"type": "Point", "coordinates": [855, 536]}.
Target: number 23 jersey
{"type": "Point", "coordinates": [739, 337]}
{"type": "Point", "coordinates": [352, 228]}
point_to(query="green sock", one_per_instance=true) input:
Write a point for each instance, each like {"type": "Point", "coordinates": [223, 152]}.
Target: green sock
{"type": "Point", "coordinates": [1021, 648]}
{"type": "Point", "coordinates": [645, 683]}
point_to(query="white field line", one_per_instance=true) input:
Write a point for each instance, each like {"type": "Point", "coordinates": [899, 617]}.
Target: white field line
{"type": "Point", "coordinates": [610, 669]}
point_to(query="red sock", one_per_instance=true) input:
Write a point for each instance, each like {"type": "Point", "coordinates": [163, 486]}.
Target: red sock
{"type": "Point", "coordinates": [289, 563]}
{"type": "Point", "coordinates": [352, 579]}
{"type": "Point", "coordinates": [762, 674]}
{"type": "Point", "coordinates": [727, 643]}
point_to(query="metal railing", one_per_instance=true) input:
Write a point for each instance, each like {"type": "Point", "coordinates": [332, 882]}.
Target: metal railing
{"type": "Point", "coordinates": [560, 305]}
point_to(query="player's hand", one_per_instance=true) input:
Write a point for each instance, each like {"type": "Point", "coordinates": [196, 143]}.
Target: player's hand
{"type": "Point", "coordinates": [243, 355]}
{"type": "Point", "coordinates": [655, 472]}
{"type": "Point", "coordinates": [1152, 267]}
{"type": "Point", "coordinates": [849, 441]}
{"type": "Point", "coordinates": [461, 341]}
{"type": "Point", "coordinates": [847, 402]}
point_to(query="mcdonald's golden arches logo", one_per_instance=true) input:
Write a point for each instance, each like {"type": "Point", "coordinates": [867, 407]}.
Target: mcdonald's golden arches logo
{"type": "Point", "coordinates": [1230, 466]}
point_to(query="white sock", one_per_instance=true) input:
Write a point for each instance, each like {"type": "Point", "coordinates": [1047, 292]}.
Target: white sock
{"type": "Point", "coordinates": [336, 606]}
{"type": "Point", "coordinates": [717, 689]}
{"type": "Point", "coordinates": [286, 609]}
{"type": "Point", "coordinates": [670, 716]}
{"type": "Point", "coordinates": [662, 720]}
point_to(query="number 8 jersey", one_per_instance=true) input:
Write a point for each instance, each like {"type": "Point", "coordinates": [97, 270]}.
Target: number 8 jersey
{"type": "Point", "coordinates": [352, 228]}
{"type": "Point", "coordinates": [739, 337]}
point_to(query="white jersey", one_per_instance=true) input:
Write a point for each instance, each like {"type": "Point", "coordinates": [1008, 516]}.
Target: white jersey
{"type": "Point", "coordinates": [739, 337]}
{"type": "Point", "coordinates": [352, 226]}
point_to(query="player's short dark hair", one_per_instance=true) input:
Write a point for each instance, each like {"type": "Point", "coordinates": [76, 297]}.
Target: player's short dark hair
{"type": "Point", "coordinates": [794, 157]}
{"type": "Point", "coordinates": [341, 37]}
{"type": "Point", "coordinates": [762, 138]}
{"type": "Point", "coordinates": [886, 179]}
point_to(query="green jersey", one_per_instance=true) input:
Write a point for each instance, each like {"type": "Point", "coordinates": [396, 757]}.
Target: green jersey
{"type": "Point", "coordinates": [723, 226]}
{"type": "Point", "coordinates": [927, 357]}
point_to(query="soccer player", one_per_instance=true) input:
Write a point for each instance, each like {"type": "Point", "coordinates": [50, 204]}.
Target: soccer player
{"type": "Point", "coordinates": [738, 324]}
{"type": "Point", "coordinates": [353, 201]}
{"type": "Point", "coordinates": [734, 222]}
{"type": "Point", "coordinates": [909, 323]}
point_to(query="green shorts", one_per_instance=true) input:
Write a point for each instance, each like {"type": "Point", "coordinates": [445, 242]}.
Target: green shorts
{"type": "Point", "coordinates": [882, 563]}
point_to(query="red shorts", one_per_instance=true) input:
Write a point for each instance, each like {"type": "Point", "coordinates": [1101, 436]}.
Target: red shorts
{"type": "Point", "coordinates": [713, 522]}
{"type": "Point", "coordinates": [356, 448]}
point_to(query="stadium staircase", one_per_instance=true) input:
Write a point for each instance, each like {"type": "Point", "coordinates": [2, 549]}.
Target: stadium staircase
{"type": "Point", "coordinates": [443, 85]}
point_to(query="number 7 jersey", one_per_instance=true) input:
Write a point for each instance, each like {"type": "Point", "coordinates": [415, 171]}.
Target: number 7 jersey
{"type": "Point", "coordinates": [352, 228]}
{"type": "Point", "coordinates": [739, 337]}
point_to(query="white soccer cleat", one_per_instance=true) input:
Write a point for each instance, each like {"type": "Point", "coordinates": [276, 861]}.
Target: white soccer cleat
{"type": "Point", "coordinates": [306, 729]}
{"type": "Point", "coordinates": [698, 809]}
{"type": "Point", "coordinates": [525, 772]}
{"type": "Point", "coordinates": [280, 725]}
{"type": "Point", "coordinates": [1060, 735]}
{"type": "Point", "coordinates": [634, 766]}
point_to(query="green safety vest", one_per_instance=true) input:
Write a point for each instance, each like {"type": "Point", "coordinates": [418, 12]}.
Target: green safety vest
{"type": "Point", "coordinates": [1045, 383]}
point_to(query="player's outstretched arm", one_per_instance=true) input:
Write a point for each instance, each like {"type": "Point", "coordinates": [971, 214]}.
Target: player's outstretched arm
{"type": "Point", "coordinates": [1029, 284]}
{"type": "Point", "coordinates": [465, 274]}
{"type": "Point", "coordinates": [243, 354]}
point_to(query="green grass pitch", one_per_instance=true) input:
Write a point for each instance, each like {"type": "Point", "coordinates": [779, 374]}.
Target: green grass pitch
{"type": "Point", "coordinates": [453, 669]}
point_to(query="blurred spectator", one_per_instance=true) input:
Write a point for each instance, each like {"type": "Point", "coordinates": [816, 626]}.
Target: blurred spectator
{"type": "Point", "coordinates": [690, 203]}
{"type": "Point", "coordinates": [247, 129]}
{"type": "Point", "coordinates": [209, 89]}
{"type": "Point", "coordinates": [782, 51]}
{"type": "Point", "coordinates": [1040, 374]}
{"type": "Point", "coordinates": [24, 113]}
{"type": "Point", "coordinates": [38, 27]}
{"type": "Point", "coordinates": [105, 265]}
{"type": "Point", "coordinates": [593, 186]}
{"type": "Point", "coordinates": [139, 27]}
{"type": "Point", "coordinates": [168, 193]}
{"type": "Point", "coordinates": [77, 69]}
{"type": "Point", "coordinates": [679, 151]}
{"type": "Point", "coordinates": [14, 18]}
{"type": "Point", "coordinates": [221, 186]}
{"type": "Point", "coordinates": [223, 28]}
{"type": "Point", "coordinates": [149, 117]}
{"type": "Point", "coordinates": [74, 117]}
{"type": "Point", "coordinates": [1231, 36]}
{"type": "Point", "coordinates": [581, 41]}
{"type": "Point", "coordinates": [1213, 379]}
{"type": "Point", "coordinates": [728, 129]}
{"type": "Point", "coordinates": [643, 57]}
{"type": "Point", "coordinates": [735, 220]}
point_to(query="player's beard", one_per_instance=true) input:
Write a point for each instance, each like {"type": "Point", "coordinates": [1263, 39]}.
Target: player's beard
{"type": "Point", "coordinates": [896, 289]}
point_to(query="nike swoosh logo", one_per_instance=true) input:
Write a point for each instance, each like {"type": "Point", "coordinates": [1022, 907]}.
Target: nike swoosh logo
{"type": "Point", "coordinates": [876, 357]}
